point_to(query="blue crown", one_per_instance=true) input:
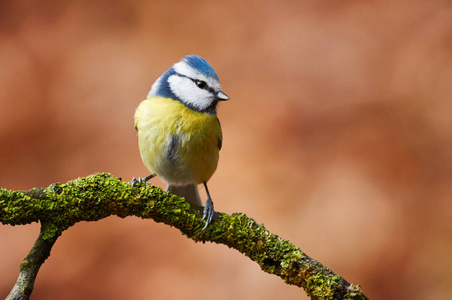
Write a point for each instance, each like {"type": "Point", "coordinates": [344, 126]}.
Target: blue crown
{"type": "Point", "coordinates": [200, 64]}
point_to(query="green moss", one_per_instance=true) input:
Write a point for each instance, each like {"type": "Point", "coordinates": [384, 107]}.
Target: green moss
{"type": "Point", "coordinates": [26, 264]}
{"type": "Point", "coordinates": [322, 287]}
{"type": "Point", "coordinates": [97, 196]}
{"type": "Point", "coordinates": [15, 207]}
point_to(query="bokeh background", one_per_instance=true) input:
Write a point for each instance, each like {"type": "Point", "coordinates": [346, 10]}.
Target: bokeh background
{"type": "Point", "coordinates": [337, 137]}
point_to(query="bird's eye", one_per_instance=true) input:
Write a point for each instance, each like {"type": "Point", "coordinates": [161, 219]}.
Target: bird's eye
{"type": "Point", "coordinates": [201, 84]}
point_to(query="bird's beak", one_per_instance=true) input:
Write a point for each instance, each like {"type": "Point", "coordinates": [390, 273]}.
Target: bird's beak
{"type": "Point", "coordinates": [222, 96]}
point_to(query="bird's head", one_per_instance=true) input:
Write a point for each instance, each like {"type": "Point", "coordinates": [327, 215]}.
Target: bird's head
{"type": "Point", "coordinates": [192, 81]}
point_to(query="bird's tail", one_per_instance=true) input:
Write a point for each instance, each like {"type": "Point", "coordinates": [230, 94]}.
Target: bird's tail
{"type": "Point", "coordinates": [189, 192]}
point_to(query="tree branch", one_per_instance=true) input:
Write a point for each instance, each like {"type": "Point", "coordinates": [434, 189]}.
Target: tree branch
{"type": "Point", "coordinates": [30, 266]}
{"type": "Point", "coordinates": [98, 196]}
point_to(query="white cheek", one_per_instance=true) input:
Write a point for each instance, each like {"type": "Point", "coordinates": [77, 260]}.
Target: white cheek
{"type": "Point", "coordinates": [188, 92]}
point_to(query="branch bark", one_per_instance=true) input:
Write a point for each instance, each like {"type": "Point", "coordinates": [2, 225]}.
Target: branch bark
{"type": "Point", "coordinates": [98, 196]}
{"type": "Point", "coordinates": [30, 266]}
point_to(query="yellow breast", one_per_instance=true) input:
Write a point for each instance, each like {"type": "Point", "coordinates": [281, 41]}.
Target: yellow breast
{"type": "Point", "coordinates": [159, 121]}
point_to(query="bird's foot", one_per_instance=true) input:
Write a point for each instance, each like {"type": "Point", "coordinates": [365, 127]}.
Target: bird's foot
{"type": "Point", "coordinates": [208, 212]}
{"type": "Point", "coordinates": [140, 180]}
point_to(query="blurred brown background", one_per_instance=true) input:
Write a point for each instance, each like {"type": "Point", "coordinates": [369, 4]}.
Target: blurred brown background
{"type": "Point", "coordinates": [337, 137]}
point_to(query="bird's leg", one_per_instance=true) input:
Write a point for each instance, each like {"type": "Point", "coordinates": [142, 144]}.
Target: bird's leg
{"type": "Point", "coordinates": [208, 209]}
{"type": "Point", "coordinates": [140, 180]}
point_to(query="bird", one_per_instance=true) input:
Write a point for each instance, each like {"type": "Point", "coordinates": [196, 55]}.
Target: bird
{"type": "Point", "coordinates": [179, 134]}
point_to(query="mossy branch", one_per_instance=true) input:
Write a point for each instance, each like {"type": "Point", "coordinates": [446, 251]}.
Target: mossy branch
{"type": "Point", "coordinates": [98, 196]}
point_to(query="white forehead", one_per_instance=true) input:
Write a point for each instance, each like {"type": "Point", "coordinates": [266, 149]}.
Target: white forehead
{"type": "Point", "coordinates": [184, 69]}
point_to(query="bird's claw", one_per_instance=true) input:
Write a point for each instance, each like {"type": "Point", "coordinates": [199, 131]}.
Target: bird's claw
{"type": "Point", "coordinates": [140, 180]}
{"type": "Point", "coordinates": [208, 213]}
{"type": "Point", "coordinates": [136, 181]}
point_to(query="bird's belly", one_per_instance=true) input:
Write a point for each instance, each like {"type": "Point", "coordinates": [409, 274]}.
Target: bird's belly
{"type": "Point", "coordinates": [178, 144]}
{"type": "Point", "coordinates": [194, 160]}
{"type": "Point", "coordinates": [193, 165]}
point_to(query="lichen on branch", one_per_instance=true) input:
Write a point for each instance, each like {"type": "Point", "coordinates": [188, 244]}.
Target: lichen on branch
{"type": "Point", "coordinates": [100, 195]}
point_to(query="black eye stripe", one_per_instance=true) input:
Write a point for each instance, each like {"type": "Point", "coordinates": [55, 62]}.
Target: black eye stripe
{"type": "Point", "coordinates": [197, 81]}
{"type": "Point", "coordinates": [201, 84]}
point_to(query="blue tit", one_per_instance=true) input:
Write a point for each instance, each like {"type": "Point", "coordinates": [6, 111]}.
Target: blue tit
{"type": "Point", "coordinates": [179, 134]}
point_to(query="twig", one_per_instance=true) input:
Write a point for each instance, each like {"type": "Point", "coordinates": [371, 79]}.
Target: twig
{"type": "Point", "coordinates": [100, 195]}
{"type": "Point", "coordinates": [30, 266]}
